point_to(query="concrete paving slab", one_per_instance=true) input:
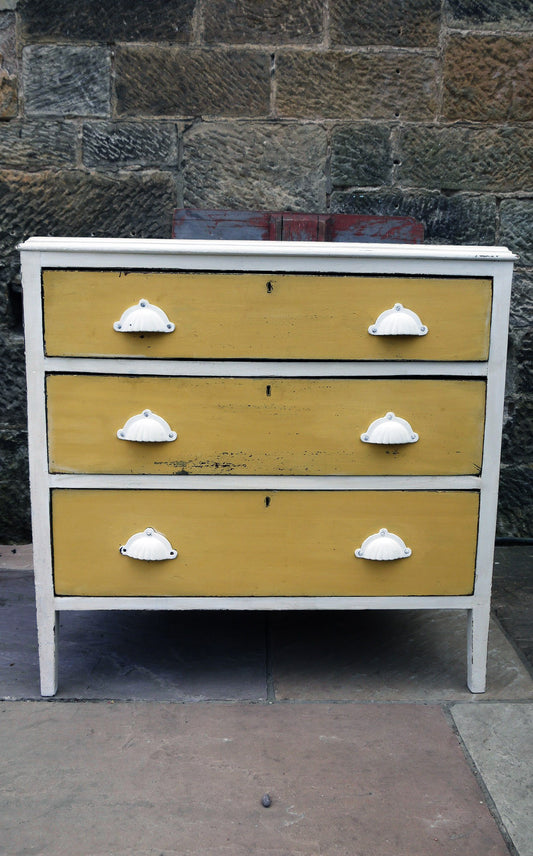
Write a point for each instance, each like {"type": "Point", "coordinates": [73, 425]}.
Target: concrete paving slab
{"type": "Point", "coordinates": [512, 596]}
{"type": "Point", "coordinates": [499, 738]}
{"type": "Point", "coordinates": [406, 656]}
{"type": "Point", "coordinates": [138, 779]}
{"type": "Point", "coordinates": [160, 656]}
{"type": "Point", "coordinates": [398, 656]}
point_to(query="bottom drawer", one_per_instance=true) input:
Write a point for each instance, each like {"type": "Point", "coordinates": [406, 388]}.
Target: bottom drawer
{"type": "Point", "coordinates": [246, 543]}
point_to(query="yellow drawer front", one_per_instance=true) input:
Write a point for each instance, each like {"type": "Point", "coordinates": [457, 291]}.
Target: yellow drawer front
{"type": "Point", "coordinates": [277, 426]}
{"type": "Point", "coordinates": [262, 316]}
{"type": "Point", "coordinates": [252, 543]}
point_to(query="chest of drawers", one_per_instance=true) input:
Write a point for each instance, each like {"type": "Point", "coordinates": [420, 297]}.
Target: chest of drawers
{"type": "Point", "coordinates": [246, 425]}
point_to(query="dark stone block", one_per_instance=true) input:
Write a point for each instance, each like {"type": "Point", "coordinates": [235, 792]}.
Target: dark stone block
{"type": "Point", "coordinates": [67, 81]}
{"type": "Point", "coordinates": [447, 220]}
{"type": "Point", "coordinates": [516, 224]}
{"type": "Point", "coordinates": [34, 145]}
{"type": "Point", "coordinates": [112, 145]}
{"type": "Point", "coordinates": [488, 78]}
{"type": "Point", "coordinates": [475, 12]}
{"type": "Point", "coordinates": [515, 511]}
{"type": "Point", "coordinates": [361, 156]}
{"type": "Point", "coordinates": [15, 521]}
{"type": "Point", "coordinates": [12, 379]}
{"type": "Point", "coordinates": [14, 489]}
{"type": "Point", "coordinates": [522, 299]}
{"type": "Point", "coordinates": [160, 81]}
{"type": "Point", "coordinates": [337, 85]}
{"type": "Point", "coordinates": [517, 444]}
{"type": "Point", "coordinates": [104, 22]}
{"type": "Point", "coordinates": [412, 23]}
{"type": "Point", "coordinates": [259, 166]}
{"type": "Point", "coordinates": [278, 22]}
{"type": "Point", "coordinates": [465, 158]}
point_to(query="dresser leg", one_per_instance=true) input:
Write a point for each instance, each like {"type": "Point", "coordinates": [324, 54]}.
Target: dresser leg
{"type": "Point", "coordinates": [48, 631]}
{"type": "Point", "coordinates": [477, 642]}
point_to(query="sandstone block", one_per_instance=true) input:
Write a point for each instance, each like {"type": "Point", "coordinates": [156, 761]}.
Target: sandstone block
{"type": "Point", "coordinates": [339, 85]}
{"type": "Point", "coordinates": [473, 13]}
{"type": "Point", "coordinates": [447, 220]}
{"type": "Point", "coordinates": [35, 145]}
{"type": "Point", "coordinates": [488, 78]}
{"type": "Point", "coordinates": [160, 81]}
{"type": "Point", "coordinates": [96, 20]}
{"type": "Point", "coordinates": [67, 81]}
{"type": "Point", "coordinates": [466, 158]}
{"type": "Point", "coordinates": [255, 166]}
{"type": "Point", "coordinates": [516, 225]}
{"type": "Point", "coordinates": [413, 23]}
{"type": "Point", "coordinates": [112, 145]}
{"type": "Point", "coordinates": [8, 95]}
{"type": "Point", "coordinates": [278, 22]}
{"type": "Point", "coordinates": [361, 156]}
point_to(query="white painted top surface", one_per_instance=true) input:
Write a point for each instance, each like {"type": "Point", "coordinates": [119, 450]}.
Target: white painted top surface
{"type": "Point", "coordinates": [314, 249]}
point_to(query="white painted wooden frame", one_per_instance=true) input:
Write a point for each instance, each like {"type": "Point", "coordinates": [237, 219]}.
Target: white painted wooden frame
{"type": "Point", "coordinates": [384, 259]}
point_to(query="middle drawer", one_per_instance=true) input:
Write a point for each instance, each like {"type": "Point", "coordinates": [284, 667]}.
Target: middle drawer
{"type": "Point", "coordinates": [263, 426]}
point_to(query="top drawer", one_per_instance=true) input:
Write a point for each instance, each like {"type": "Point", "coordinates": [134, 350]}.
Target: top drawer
{"type": "Point", "coordinates": [261, 316]}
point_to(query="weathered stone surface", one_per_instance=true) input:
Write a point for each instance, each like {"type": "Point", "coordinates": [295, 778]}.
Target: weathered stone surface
{"type": "Point", "coordinates": [8, 94]}
{"type": "Point", "coordinates": [37, 145]}
{"type": "Point", "coordinates": [466, 158]}
{"type": "Point", "coordinates": [339, 85]}
{"type": "Point", "coordinates": [8, 47]}
{"type": "Point", "coordinates": [65, 80]}
{"type": "Point", "coordinates": [14, 489]}
{"type": "Point", "coordinates": [490, 12]}
{"type": "Point", "coordinates": [515, 510]}
{"type": "Point", "coordinates": [257, 166]}
{"type": "Point", "coordinates": [278, 22]}
{"type": "Point", "coordinates": [361, 156]}
{"type": "Point", "coordinates": [517, 445]}
{"type": "Point", "coordinates": [447, 220]}
{"type": "Point", "coordinates": [414, 23]}
{"type": "Point", "coordinates": [15, 523]}
{"type": "Point", "coordinates": [520, 359]}
{"type": "Point", "coordinates": [522, 299]}
{"type": "Point", "coordinates": [100, 21]}
{"type": "Point", "coordinates": [81, 204]}
{"type": "Point", "coordinates": [516, 225]}
{"type": "Point", "coordinates": [161, 81]}
{"type": "Point", "coordinates": [488, 78]}
{"type": "Point", "coordinates": [12, 380]}
{"type": "Point", "coordinates": [110, 145]}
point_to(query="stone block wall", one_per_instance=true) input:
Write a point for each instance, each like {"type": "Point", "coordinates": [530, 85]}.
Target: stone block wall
{"type": "Point", "coordinates": [112, 114]}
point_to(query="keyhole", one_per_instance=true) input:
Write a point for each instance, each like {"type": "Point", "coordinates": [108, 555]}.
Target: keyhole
{"type": "Point", "coordinates": [269, 287]}
{"type": "Point", "coordinates": [267, 501]}
{"type": "Point", "coordinates": [268, 389]}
